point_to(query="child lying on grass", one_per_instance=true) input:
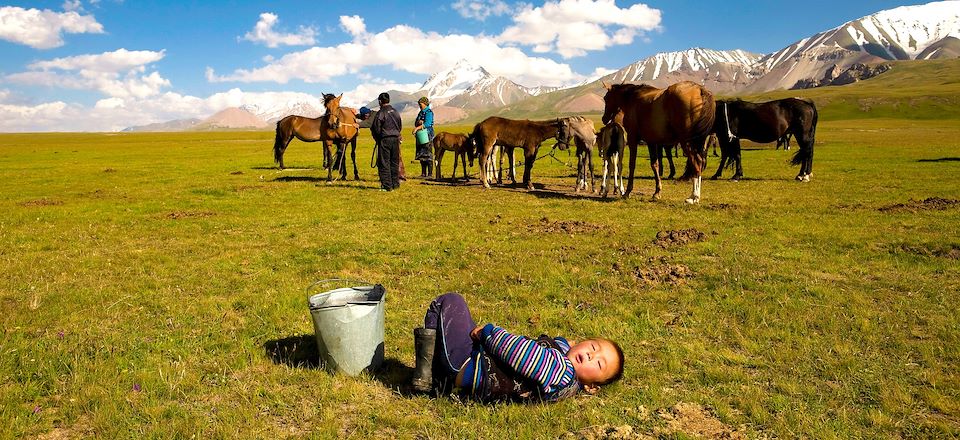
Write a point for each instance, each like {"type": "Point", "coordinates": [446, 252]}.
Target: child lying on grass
{"type": "Point", "coordinates": [488, 364]}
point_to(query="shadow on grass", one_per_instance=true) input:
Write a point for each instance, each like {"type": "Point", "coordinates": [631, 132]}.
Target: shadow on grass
{"type": "Point", "coordinates": [301, 352]}
{"type": "Point", "coordinates": [299, 179]}
{"type": "Point", "coordinates": [942, 159]}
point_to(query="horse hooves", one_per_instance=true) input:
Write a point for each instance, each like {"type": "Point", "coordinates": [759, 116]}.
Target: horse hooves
{"type": "Point", "coordinates": [692, 201]}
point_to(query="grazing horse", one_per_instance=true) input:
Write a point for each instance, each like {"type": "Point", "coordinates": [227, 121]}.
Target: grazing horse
{"type": "Point", "coordinates": [668, 151]}
{"type": "Point", "coordinates": [336, 126]}
{"type": "Point", "coordinates": [510, 134]}
{"type": "Point", "coordinates": [461, 145]}
{"type": "Point", "coordinates": [784, 142]}
{"type": "Point", "coordinates": [611, 141]}
{"type": "Point", "coordinates": [680, 114]}
{"type": "Point", "coordinates": [581, 131]}
{"type": "Point", "coordinates": [766, 122]}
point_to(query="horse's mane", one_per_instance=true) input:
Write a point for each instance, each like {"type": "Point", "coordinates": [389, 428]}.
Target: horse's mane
{"type": "Point", "coordinates": [629, 87]}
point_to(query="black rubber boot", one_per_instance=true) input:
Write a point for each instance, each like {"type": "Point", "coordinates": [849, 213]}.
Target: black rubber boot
{"type": "Point", "coordinates": [424, 341]}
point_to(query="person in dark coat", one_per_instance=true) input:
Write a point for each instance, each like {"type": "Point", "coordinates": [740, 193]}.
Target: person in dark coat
{"type": "Point", "coordinates": [386, 129]}
{"type": "Point", "coordinates": [424, 121]}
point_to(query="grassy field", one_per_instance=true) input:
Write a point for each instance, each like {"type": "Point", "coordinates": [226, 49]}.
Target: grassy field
{"type": "Point", "coordinates": [152, 286]}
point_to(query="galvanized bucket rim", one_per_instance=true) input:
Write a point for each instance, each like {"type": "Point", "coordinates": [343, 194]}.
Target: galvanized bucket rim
{"type": "Point", "coordinates": [314, 305]}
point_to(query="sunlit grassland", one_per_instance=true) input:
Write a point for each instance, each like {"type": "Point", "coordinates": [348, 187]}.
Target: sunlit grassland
{"type": "Point", "coordinates": [144, 275]}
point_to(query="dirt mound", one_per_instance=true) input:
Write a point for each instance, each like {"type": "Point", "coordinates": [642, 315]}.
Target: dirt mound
{"type": "Point", "coordinates": [41, 202]}
{"type": "Point", "coordinates": [930, 203]}
{"type": "Point", "coordinates": [951, 252]}
{"type": "Point", "coordinates": [563, 226]}
{"type": "Point", "coordinates": [178, 215]}
{"type": "Point", "coordinates": [669, 239]}
{"type": "Point", "coordinates": [607, 432]}
{"type": "Point", "coordinates": [696, 421]}
{"type": "Point", "coordinates": [659, 271]}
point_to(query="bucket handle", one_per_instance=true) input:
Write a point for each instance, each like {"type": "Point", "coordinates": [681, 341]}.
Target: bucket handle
{"type": "Point", "coordinates": [334, 280]}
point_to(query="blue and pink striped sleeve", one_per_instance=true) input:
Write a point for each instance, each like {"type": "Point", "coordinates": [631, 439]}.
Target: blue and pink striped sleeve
{"type": "Point", "coordinates": [548, 367]}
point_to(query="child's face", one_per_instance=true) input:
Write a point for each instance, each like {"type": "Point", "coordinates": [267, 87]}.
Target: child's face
{"type": "Point", "coordinates": [594, 361]}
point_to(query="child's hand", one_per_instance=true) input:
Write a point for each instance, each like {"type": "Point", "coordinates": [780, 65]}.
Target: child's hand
{"type": "Point", "coordinates": [475, 333]}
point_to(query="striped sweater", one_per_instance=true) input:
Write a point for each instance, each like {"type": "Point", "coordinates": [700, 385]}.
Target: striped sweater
{"type": "Point", "coordinates": [549, 368]}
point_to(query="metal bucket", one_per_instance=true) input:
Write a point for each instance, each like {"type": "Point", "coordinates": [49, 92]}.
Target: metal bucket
{"type": "Point", "coordinates": [348, 322]}
{"type": "Point", "coordinates": [423, 136]}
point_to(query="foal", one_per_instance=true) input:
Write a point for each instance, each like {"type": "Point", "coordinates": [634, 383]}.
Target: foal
{"type": "Point", "coordinates": [461, 146]}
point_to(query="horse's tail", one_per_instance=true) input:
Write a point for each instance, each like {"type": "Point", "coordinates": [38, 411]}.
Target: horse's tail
{"type": "Point", "coordinates": [279, 142]}
{"type": "Point", "coordinates": [805, 150]}
{"type": "Point", "coordinates": [699, 134]}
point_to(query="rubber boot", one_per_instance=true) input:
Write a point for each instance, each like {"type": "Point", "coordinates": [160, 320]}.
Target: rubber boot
{"type": "Point", "coordinates": [424, 341]}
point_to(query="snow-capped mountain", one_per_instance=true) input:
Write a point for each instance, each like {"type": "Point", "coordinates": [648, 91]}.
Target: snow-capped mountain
{"type": "Point", "coordinates": [444, 85]}
{"type": "Point", "coordinates": [719, 70]}
{"type": "Point", "coordinates": [909, 32]}
{"type": "Point", "coordinates": [273, 112]}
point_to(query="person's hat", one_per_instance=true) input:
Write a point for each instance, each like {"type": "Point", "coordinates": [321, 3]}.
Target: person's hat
{"type": "Point", "coordinates": [364, 111]}
{"type": "Point", "coordinates": [385, 97]}
{"type": "Point", "coordinates": [423, 100]}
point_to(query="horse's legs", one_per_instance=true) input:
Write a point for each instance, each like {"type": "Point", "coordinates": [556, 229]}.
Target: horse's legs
{"type": "Point", "coordinates": [603, 180]}
{"type": "Point", "coordinates": [738, 160]}
{"type": "Point", "coordinates": [530, 156]}
{"type": "Point", "coordinates": [633, 166]}
{"type": "Point", "coordinates": [593, 182]}
{"type": "Point", "coordinates": [724, 153]}
{"type": "Point", "coordinates": [618, 172]}
{"type": "Point", "coordinates": [438, 158]}
{"type": "Point", "coordinates": [353, 157]}
{"type": "Point", "coordinates": [581, 174]}
{"type": "Point", "coordinates": [673, 171]}
{"type": "Point", "coordinates": [655, 158]}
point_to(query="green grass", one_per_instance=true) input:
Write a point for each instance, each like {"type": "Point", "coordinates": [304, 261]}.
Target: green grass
{"type": "Point", "coordinates": [169, 262]}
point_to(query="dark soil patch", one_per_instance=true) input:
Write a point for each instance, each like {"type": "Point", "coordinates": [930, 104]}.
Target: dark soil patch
{"type": "Point", "coordinates": [683, 420]}
{"type": "Point", "coordinates": [951, 252]}
{"type": "Point", "coordinates": [660, 271]}
{"type": "Point", "coordinates": [179, 215]}
{"type": "Point", "coordinates": [41, 202]}
{"type": "Point", "coordinates": [928, 204]}
{"type": "Point", "coordinates": [563, 226]}
{"type": "Point", "coordinates": [109, 170]}
{"type": "Point", "coordinates": [669, 239]}
{"type": "Point", "coordinates": [236, 173]}
{"type": "Point", "coordinates": [720, 206]}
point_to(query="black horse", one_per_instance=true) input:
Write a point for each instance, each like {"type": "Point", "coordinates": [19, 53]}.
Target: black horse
{"type": "Point", "coordinates": [765, 122]}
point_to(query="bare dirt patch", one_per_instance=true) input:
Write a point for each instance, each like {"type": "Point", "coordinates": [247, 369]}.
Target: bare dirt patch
{"type": "Point", "coordinates": [607, 432]}
{"type": "Point", "coordinates": [928, 204]}
{"type": "Point", "coordinates": [41, 202]}
{"type": "Point", "coordinates": [563, 226]}
{"type": "Point", "coordinates": [720, 206]}
{"type": "Point", "coordinates": [179, 215]}
{"type": "Point", "coordinates": [660, 271]}
{"type": "Point", "coordinates": [694, 420]}
{"type": "Point", "coordinates": [951, 252]}
{"type": "Point", "coordinates": [669, 239]}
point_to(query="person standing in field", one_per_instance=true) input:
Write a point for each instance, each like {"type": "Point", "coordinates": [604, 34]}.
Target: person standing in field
{"type": "Point", "coordinates": [385, 128]}
{"type": "Point", "coordinates": [424, 121]}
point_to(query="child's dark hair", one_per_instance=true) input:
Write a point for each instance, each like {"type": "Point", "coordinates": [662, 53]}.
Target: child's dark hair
{"type": "Point", "coordinates": [619, 373]}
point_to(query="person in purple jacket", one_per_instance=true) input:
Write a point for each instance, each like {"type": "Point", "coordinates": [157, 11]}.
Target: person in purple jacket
{"type": "Point", "coordinates": [488, 364]}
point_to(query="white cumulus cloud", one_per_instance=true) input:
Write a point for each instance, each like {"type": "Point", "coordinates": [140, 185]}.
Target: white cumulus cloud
{"type": "Point", "coordinates": [264, 33]}
{"type": "Point", "coordinates": [403, 48]}
{"type": "Point", "coordinates": [120, 74]}
{"type": "Point", "coordinates": [43, 29]}
{"type": "Point", "coordinates": [573, 27]}
{"type": "Point", "coordinates": [481, 9]}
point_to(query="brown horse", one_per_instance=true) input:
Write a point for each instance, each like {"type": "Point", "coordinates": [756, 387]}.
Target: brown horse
{"type": "Point", "coordinates": [580, 130]}
{"type": "Point", "coordinates": [510, 134]}
{"type": "Point", "coordinates": [680, 114]}
{"type": "Point", "coordinates": [460, 144]}
{"type": "Point", "coordinates": [337, 126]}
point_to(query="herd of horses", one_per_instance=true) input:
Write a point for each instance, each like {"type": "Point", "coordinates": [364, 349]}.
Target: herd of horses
{"type": "Point", "coordinates": [684, 114]}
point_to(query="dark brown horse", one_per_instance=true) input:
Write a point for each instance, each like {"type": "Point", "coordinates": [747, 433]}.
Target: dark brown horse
{"type": "Point", "coordinates": [510, 134]}
{"type": "Point", "coordinates": [680, 114]}
{"type": "Point", "coordinates": [460, 144]}
{"type": "Point", "coordinates": [611, 141]}
{"type": "Point", "coordinates": [337, 126]}
{"type": "Point", "coordinates": [764, 122]}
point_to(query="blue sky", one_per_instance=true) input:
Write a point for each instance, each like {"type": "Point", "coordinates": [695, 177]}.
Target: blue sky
{"type": "Point", "coordinates": [106, 64]}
